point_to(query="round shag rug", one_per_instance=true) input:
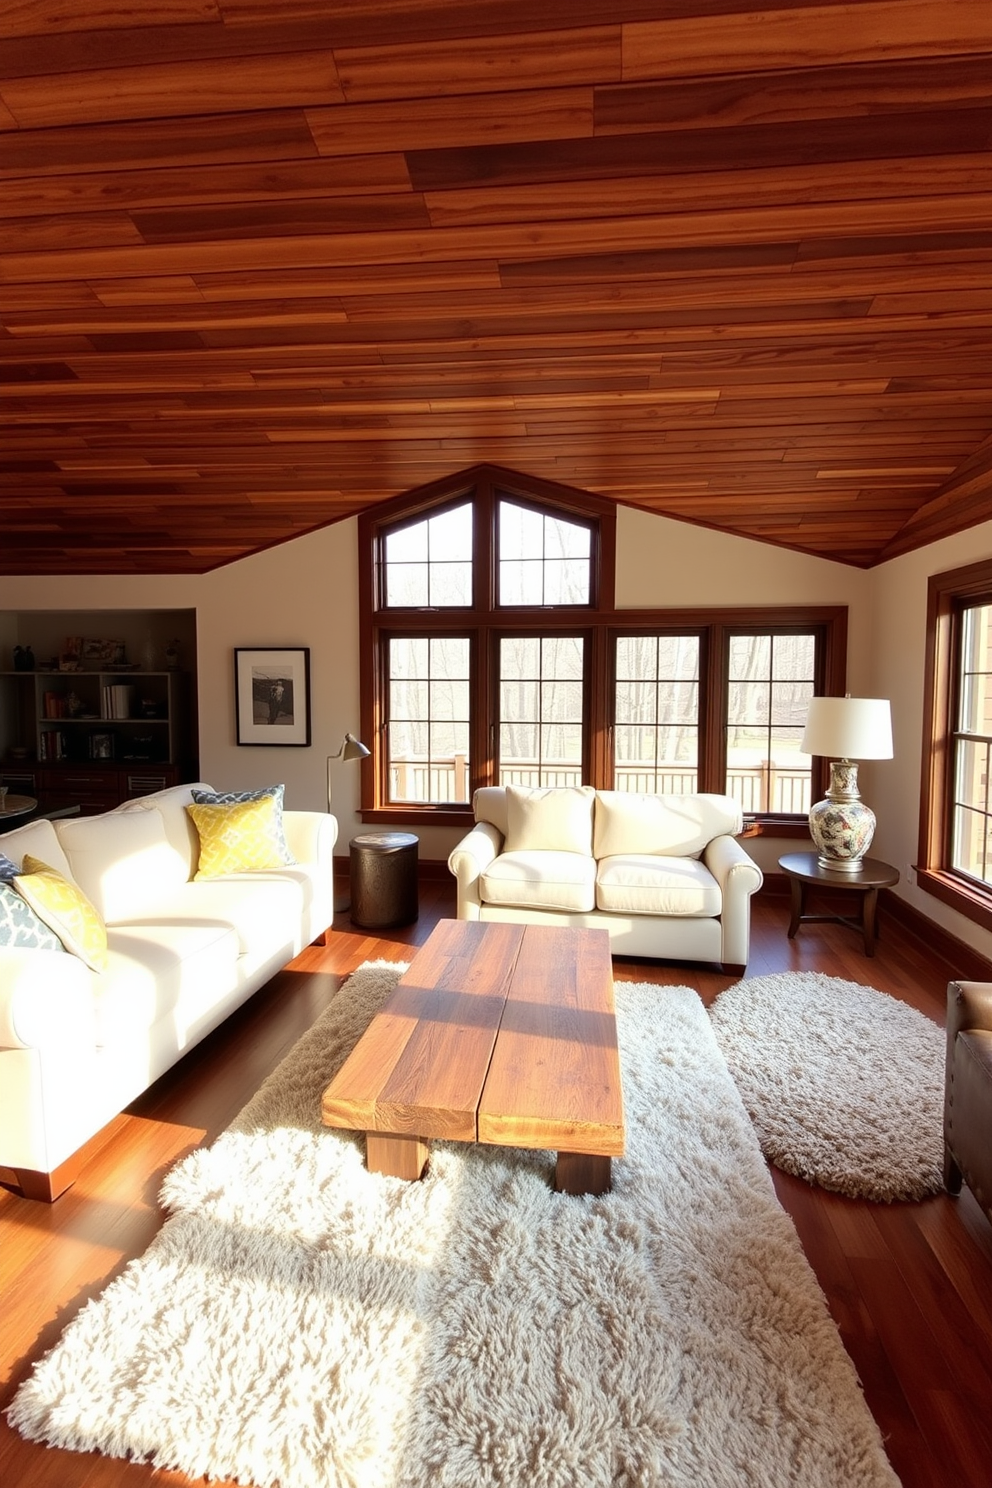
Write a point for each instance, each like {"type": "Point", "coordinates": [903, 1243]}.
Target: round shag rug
{"type": "Point", "coordinates": [844, 1084]}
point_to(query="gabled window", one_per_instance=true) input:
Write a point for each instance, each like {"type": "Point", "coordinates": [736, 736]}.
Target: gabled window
{"type": "Point", "coordinates": [493, 654]}
{"type": "Point", "coordinates": [955, 851]}
{"type": "Point", "coordinates": [471, 677]}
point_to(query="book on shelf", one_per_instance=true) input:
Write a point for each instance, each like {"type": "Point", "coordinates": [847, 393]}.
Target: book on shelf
{"type": "Point", "coordinates": [52, 745]}
{"type": "Point", "coordinates": [118, 699]}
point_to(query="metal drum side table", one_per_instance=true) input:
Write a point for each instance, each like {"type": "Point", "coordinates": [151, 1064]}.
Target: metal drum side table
{"type": "Point", "coordinates": [384, 879]}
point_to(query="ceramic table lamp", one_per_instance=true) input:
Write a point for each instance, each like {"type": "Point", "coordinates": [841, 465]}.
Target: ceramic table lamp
{"type": "Point", "coordinates": [843, 729]}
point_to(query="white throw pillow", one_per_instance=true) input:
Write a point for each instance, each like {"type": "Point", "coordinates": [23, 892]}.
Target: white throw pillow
{"type": "Point", "coordinates": [555, 819]}
{"type": "Point", "coordinates": [123, 861]}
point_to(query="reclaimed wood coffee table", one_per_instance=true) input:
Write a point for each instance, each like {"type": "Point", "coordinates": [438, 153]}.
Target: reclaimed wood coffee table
{"type": "Point", "coordinates": [497, 1033]}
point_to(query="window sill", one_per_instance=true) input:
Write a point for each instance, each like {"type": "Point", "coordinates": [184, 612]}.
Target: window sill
{"type": "Point", "coordinates": [407, 815]}
{"type": "Point", "coordinates": [775, 826]}
{"type": "Point", "coordinates": [424, 816]}
{"type": "Point", "coordinates": [967, 897]}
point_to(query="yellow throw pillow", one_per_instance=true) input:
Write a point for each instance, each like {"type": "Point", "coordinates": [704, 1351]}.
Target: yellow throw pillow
{"type": "Point", "coordinates": [239, 837]}
{"type": "Point", "coordinates": [64, 909]}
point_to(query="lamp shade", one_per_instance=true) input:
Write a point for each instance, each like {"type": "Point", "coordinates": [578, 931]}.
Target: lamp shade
{"type": "Point", "coordinates": [353, 748]}
{"type": "Point", "coordinates": [848, 728]}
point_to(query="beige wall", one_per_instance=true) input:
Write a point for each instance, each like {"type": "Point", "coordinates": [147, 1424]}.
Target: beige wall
{"type": "Point", "coordinates": [305, 593]}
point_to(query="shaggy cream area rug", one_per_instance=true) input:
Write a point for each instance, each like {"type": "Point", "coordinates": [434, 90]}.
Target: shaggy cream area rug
{"type": "Point", "coordinates": [299, 1321]}
{"type": "Point", "coordinates": [844, 1084]}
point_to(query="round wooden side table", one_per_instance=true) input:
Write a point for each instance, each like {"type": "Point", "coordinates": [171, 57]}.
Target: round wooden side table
{"type": "Point", "coordinates": [803, 870]}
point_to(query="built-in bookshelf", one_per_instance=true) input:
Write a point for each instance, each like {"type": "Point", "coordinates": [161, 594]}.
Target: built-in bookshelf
{"type": "Point", "coordinates": [93, 737]}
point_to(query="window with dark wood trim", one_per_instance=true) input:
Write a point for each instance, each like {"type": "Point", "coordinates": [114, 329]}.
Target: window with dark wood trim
{"type": "Point", "coordinates": [955, 844]}
{"type": "Point", "coordinates": [568, 690]}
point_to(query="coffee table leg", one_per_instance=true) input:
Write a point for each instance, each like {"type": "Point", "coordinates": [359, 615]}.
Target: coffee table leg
{"type": "Point", "coordinates": [580, 1173]}
{"type": "Point", "coordinates": [396, 1156]}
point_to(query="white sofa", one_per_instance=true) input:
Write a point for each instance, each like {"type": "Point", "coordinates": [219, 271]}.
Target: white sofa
{"type": "Point", "coordinates": [663, 874]}
{"type": "Point", "coordinates": [77, 1046]}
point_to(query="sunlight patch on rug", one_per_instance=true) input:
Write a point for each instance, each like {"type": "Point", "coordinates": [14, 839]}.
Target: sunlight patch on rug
{"type": "Point", "coordinates": [844, 1084]}
{"type": "Point", "coordinates": [299, 1321]}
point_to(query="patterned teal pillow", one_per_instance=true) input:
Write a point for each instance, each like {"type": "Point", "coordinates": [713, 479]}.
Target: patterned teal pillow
{"type": "Point", "coordinates": [20, 926]}
{"type": "Point", "coordinates": [234, 798]}
{"type": "Point", "coordinates": [8, 870]}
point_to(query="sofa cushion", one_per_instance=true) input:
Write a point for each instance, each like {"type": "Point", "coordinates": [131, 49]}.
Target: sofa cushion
{"type": "Point", "coordinates": [265, 910]}
{"type": "Point", "coordinates": [673, 825]}
{"type": "Point", "coordinates": [541, 880]}
{"type": "Point", "coordinates": [153, 969]}
{"type": "Point", "coordinates": [171, 804]}
{"type": "Point", "coordinates": [633, 883]}
{"type": "Point", "coordinates": [39, 839]}
{"type": "Point", "coordinates": [555, 819]}
{"type": "Point", "coordinates": [123, 861]}
{"type": "Point", "coordinates": [231, 798]}
{"type": "Point", "coordinates": [237, 837]}
{"type": "Point", "coordinates": [65, 909]}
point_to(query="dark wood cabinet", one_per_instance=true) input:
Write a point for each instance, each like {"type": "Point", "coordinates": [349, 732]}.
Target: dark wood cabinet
{"type": "Point", "coordinates": [93, 788]}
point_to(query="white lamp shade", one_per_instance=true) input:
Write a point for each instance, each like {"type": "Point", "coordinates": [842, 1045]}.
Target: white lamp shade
{"type": "Point", "coordinates": [848, 728]}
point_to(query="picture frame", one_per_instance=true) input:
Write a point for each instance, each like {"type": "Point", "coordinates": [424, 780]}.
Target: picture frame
{"type": "Point", "coordinates": [101, 746]}
{"type": "Point", "coordinates": [97, 653]}
{"type": "Point", "coordinates": [272, 696]}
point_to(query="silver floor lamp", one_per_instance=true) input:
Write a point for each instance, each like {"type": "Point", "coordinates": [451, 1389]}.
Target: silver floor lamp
{"type": "Point", "coordinates": [351, 749]}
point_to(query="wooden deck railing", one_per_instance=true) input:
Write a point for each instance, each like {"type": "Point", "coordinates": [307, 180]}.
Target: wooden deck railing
{"type": "Point", "coordinates": [764, 787]}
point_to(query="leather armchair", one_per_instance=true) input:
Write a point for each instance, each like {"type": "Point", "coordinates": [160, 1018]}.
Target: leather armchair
{"type": "Point", "coordinates": [968, 1091]}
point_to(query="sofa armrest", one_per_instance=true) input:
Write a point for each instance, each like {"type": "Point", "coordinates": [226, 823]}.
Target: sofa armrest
{"type": "Point", "coordinates": [969, 1006]}
{"type": "Point", "coordinates": [739, 877]}
{"type": "Point", "coordinates": [311, 835]}
{"type": "Point", "coordinates": [468, 861]}
{"type": "Point", "coordinates": [46, 999]}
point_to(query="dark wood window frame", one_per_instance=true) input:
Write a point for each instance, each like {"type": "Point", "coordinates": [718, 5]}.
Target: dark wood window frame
{"type": "Point", "coordinates": [600, 621]}
{"type": "Point", "coordinates": [948, 594]}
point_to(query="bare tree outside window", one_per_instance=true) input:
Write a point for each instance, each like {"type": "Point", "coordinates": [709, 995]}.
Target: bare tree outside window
{"type": "Point", "coordinates": [428, 730]}
{"type": "Point", "coordinates": [656, 729]}
{"type": "Point", "coordinates": [771, 680]}
{"type": "Point", "coordinates": [971, 819]}
{"type": "Point", "coordinates": [429, 563]}
{"type": "Point", "coordinates": [543, 560]}
{"type": "Point", "coordinates": [541, 710]}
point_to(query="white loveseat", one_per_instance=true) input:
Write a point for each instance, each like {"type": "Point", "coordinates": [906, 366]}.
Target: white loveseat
{"type": "Point", "coordinates": [76, 1045]}
{"type": "Point", "coordinates": [663, 874]}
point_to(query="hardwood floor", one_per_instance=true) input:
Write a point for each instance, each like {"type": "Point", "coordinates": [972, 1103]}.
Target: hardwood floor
{"type": "Point", "coordinates": [910, 1285]}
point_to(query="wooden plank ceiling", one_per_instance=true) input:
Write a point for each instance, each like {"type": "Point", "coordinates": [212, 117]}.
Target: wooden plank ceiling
{"type": "Point", "coordinates": [266, 262]}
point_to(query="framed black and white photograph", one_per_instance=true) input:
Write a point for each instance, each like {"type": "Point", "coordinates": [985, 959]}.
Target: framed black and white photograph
{"type": "Point", "coordinates": [272, 696]}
